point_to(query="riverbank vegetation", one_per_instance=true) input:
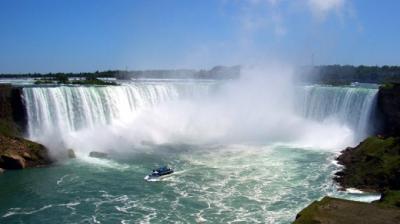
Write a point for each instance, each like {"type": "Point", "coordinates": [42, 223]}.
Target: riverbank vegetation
{"type": "Point", "coordinates": [217, 72]}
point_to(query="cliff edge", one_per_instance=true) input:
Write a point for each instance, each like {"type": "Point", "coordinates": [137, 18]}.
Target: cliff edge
{"type": "Point", "coordinates": [373, 165]}
{"type": "Point", "coordinates": [338, 211]}
{"type": "Point", "coordinates": [389, 106]}
{"type": "Point", "coordinates": [15, 151]}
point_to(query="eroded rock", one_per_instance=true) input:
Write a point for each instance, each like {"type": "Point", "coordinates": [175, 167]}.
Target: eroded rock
{"type": "Point", "coordinates": [12, 162]}
{"type": "Point", "coordinates": [98, 154]}
{"type": "Point", "coordinates": [389, 106]}
{"type": "Point", "coordinates": [19, 153]}
{"type": "Point", "coordinates": [71, 154]}
{"type": "Point", "coordinates": [15, 151]}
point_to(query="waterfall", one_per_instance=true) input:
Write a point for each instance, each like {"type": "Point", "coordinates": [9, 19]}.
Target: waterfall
{"type": "Point", "coordinates": [71, 108]}
{"type": "Point", "coordinates": [352, 106]}
{"type": "Point", "coordinates": [55, 112]}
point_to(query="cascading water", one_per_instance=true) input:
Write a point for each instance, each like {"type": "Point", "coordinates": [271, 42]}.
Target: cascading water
{"type": "Point", "coordinates": [55, 112]}
{"type": "Point", "coordinates": [350, 106]}
{"type": "Point", "coordinates": [66, 109]}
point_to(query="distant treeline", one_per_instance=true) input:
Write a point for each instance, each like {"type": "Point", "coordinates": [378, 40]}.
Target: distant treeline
{"type": "Point", "coordinates": [325, 74]}
{"type": "Point", "coordinates": [90, 79]}
{"type": "Point", "coordinates": [346, 74]}
{"type": "Point", "coordinates": [218, 72]}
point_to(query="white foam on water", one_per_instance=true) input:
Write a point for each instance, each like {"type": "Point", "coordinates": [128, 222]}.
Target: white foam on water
{"type": "Point", "coordinates": [30, 211]}
{"type": "Point", "coordinates": [200, 218]}
{"type": "Point", "coordinates": [104, 163]}
{"type": "Point", "coordinates": [62, 179]}
{"type": "Point", "coordinates": [359, 195]}
{"type": "Point", "coordinates": [354, 191]}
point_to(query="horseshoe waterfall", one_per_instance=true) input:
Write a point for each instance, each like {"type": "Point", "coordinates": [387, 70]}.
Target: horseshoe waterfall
{"type": "Point", "coordinates": [282, 142]}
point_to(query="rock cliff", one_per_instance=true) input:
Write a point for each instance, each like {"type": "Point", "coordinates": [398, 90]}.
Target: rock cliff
{"type": "Point", "coordinates": [15, 151]}
{"type": "Point", "coordinates": [389, 106]}
{"type": "Point", "coordinates": [338, 211]}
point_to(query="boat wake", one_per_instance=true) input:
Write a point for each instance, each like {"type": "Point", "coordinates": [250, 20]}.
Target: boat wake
{"type": "Point", "coordinates": [104, 163]}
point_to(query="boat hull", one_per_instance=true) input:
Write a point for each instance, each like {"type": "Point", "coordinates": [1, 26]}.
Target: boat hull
{"type": "Point", "coordinates": [151, 178]}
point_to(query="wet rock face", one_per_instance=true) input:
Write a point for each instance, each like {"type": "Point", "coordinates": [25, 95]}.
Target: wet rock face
{"type": "Point", "coordinates": [19, 153]}
{"type": "Point", "coordinates": [389, 106]}
{"type": "Point", "coordinates": [19, 112]}
{"type": "Point", "coordinates": [71, 154]}
{"type": "Point", "coordinates": [12, 162]}
{"type": "Point", "coordinates": [13, 114]}
{"type": "Point", "coordinates": [98, 154]}
{"type": "Point", "coordinates": [15, 151]}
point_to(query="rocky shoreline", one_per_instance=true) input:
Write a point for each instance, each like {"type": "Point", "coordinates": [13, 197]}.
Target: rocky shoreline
{"type": "Point", "coordinates": [15, 151]}
{"type": "Point", "coordinates": [373, 165]}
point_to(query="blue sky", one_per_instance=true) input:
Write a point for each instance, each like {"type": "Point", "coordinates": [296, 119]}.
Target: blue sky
{"type": "Point", "coordinates": [89, 35]}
